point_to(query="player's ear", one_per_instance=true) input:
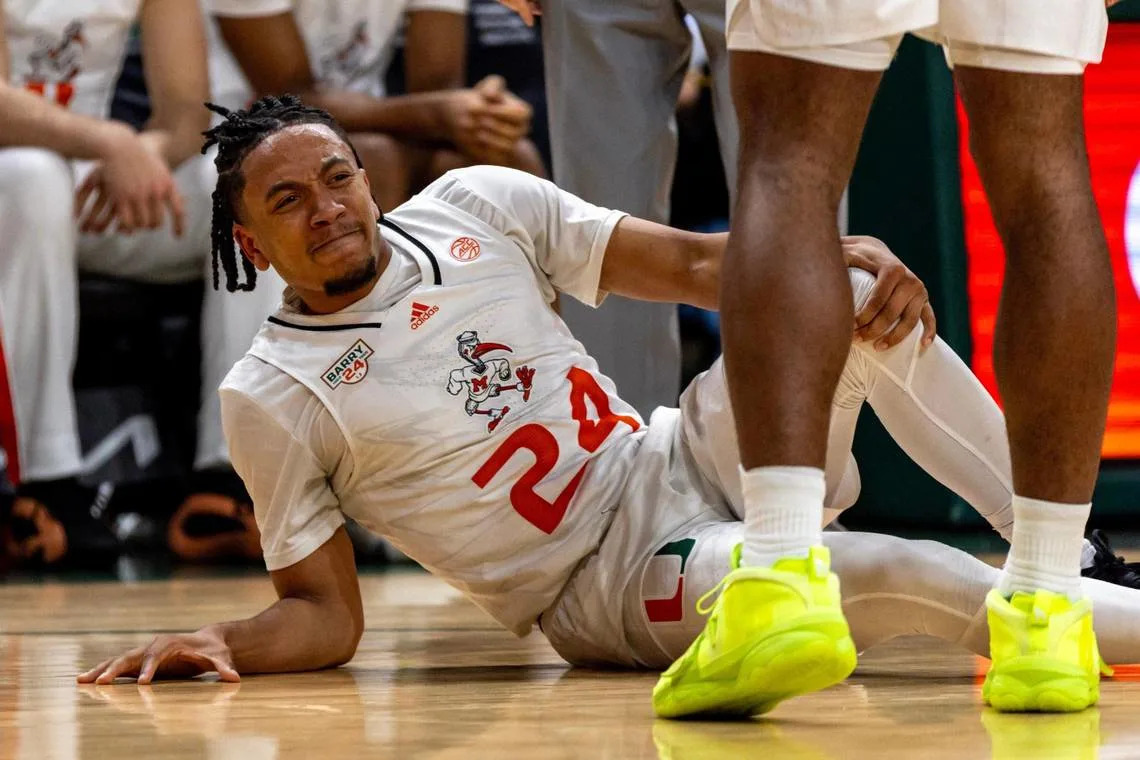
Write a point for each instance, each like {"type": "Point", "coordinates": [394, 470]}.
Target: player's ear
{"type": "Point", "coordinates": [249, 248]}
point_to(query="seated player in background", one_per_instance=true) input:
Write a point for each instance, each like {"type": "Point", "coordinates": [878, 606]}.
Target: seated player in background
{"type": "Point", "coordinates": [417, 380]}
{"type": "Point", "coordinates": [334, 53]}
{"type": "Point", "coordinates": [81, 191]}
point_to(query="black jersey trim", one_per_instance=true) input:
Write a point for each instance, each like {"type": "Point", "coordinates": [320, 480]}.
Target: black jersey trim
{"type": "Point", "coordinates": [434, 264]}
{"type": "Point", "coordinates": [324, 328]}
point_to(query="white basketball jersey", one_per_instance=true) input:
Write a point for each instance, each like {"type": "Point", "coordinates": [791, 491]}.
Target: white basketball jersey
{"type": "Point", "coordinates": [486, 444]}
{"type": "Point", "coordinates": [69, 52]}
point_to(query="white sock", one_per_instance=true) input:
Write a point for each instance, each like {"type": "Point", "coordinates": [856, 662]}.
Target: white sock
{"type": "Point", "coordinates": [783, 512]}
{"type": "Point", "coordinates": [1045, 552]}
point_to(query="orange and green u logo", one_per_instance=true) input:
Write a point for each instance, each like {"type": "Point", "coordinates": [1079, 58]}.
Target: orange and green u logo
{"type": "Point", "coordinates": [671, 610]}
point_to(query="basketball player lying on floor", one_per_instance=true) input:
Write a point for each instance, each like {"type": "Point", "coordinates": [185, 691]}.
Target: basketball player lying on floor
{"type": "Point", "coordinates": [417, 380]}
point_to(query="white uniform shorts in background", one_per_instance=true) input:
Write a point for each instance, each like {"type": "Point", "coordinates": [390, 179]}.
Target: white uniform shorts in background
{"type": "Point", "coordinates": [1042, 36]}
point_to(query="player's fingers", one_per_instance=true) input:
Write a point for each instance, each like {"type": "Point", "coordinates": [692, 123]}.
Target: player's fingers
{"type": "Point", "coordinates": [906, 323]}
{"type": "Point", "coordinates": [99, 215]}
{"type": "Point", "coordinates": [139, 213]}
{"type": "Point", "coordinates": [494, 144]}
{"type": "Point", "coordinates": [145, 207]}
{"type": "Point", "coordinates": [885, 319]}
{"type": "Point", "coordinates": [149, 668]}
{"type": "Point", "coordinates": [491, 87]}
{"type": "Point", "coordinates": [90, 675]}
{"type": "Point", "coordinates": [153, 205]}
{"type": "Point", "coordinates": [510, 133]}
{"type": "Point", "coordinates": [84, 192]}
{"type": "Point", "coordinates": [512, 113]}
{"type": "Point", "coordinates": [929, 324]}
{"type": "Point", "coordinates": [125, 214]}
{"type": "Point", "coordinates": [177, 208]}
{"type": "Point", "coordinates": [225, 670]}
{"type": "Point", "coordinates": [513, 130]}
{"type": "Point", "coordinates": [885, 285]}
{"type": "Point", "coordinates": [852, 257]}
{"type": "Point", "coordinates": [126, 665]}
{"type": "Point", "coordinates": [182, 661]}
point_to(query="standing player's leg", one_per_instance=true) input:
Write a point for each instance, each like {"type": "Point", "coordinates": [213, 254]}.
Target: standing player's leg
{"type": "Point", "coordinates": [800, 125]}
{"type": "Point", "coordinates": [1053, 356]}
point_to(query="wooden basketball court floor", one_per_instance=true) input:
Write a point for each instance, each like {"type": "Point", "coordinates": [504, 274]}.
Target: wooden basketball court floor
{"type": "Point", "coordinates": [434, 678]}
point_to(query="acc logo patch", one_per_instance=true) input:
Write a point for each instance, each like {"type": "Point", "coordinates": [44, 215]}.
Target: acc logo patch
{"type": "Point", "coordinates": [465, 249]}
{"type": "Point", "coordinates": [351, 367]}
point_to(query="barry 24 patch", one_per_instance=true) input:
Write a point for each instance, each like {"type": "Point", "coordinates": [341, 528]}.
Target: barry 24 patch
{"type": "Point", "coordinates": [351, 367]}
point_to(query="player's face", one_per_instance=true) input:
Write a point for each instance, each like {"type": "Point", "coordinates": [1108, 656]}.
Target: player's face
{"type": "Point", "coordinates": [307, 210]}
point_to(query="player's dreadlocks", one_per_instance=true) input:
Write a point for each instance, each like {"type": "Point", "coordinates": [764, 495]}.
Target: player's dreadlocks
{"type": "Point", "coordinates": [241, 132]}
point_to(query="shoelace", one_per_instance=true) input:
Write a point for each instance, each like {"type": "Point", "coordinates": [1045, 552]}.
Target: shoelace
{"type": "Point", "coordinates": [703, 608]}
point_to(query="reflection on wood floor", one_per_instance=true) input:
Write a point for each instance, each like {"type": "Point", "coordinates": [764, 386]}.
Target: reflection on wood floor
{"type": "Point", "coordinates": [435, 678]}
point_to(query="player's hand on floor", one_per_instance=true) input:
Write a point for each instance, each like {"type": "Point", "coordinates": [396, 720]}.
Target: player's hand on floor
{"type": "Point", "coordinates": [169, 656]}
{"type": "Point", "coordinates": [131, 185]}
{"type": "Point", "coordinates": [527, 9]}
{"type": "Point", "coordinates": [898, 301]}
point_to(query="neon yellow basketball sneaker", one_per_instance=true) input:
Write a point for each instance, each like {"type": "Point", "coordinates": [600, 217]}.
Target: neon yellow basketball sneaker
{"type": "Point", "coordinates": [773, 633]}
{"type": "Point", "coordinates": [1043, 651]}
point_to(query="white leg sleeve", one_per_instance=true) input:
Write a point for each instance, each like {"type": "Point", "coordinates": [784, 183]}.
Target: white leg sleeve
{"type": "Point", "coordinates": [930, 402]}
{"type": "Point", "coordinates": [38, 305]}
{"type": "Point", "coordinates": [937, 411]}
{"type": "Point", "coordinates": [894, 587]}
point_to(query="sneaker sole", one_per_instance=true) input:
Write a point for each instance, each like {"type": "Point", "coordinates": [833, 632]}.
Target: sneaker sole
{"type": "Point", "coordinates": [1036, 683]}
{"type": "Point", "coordinates": [788, 664]}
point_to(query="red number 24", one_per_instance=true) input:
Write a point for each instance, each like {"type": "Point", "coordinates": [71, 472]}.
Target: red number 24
{"type": "Point", "coordinates": [546, 515]}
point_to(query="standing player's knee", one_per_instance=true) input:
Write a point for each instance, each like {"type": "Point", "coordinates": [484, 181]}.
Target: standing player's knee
{"type": "Point", "coordinates": [791, 178]}
{"type": "Point", "coordinates": [37, 185]}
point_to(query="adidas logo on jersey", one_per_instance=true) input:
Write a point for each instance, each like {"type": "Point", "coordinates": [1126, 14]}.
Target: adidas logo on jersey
{"type": "Point", "coordinates": [422, 313]}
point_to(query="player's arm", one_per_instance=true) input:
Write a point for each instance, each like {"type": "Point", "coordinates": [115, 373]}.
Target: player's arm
{"type": "Point", "coordinates": [653, 262]}
{"type": "Point", "coordinates": [28, 119]}
{"type": "Point", "coordinates": [435, 51]}
{"type": "Point", "coordinates": [316, 623]}
{"type": "Point", "coordinates": [272, 55]}
{"type": "Point", "coordinates": [177, 76]}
